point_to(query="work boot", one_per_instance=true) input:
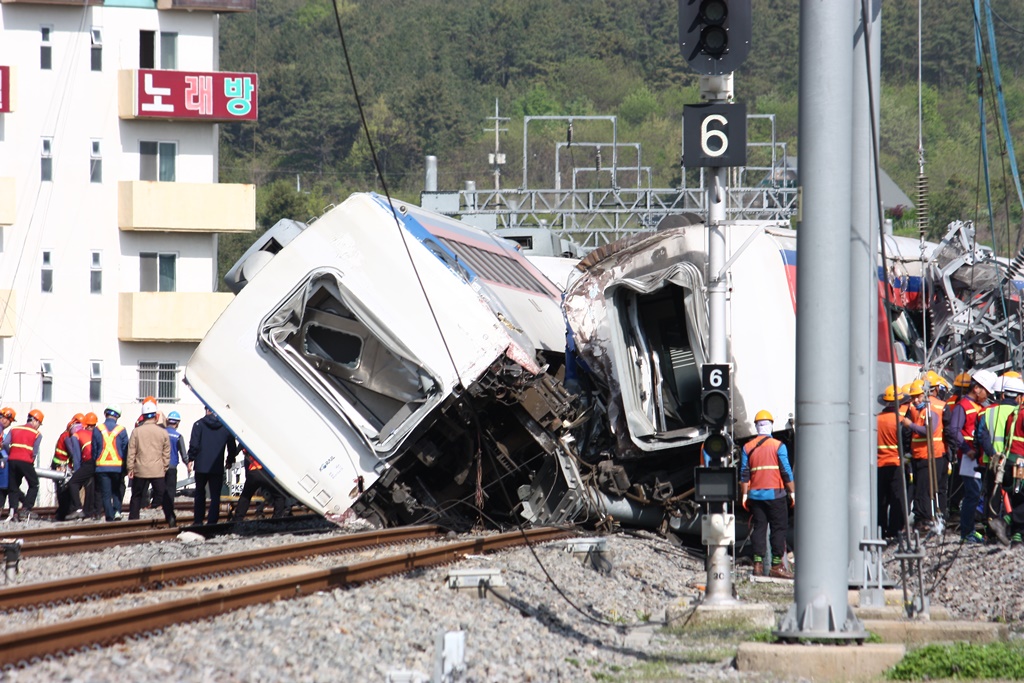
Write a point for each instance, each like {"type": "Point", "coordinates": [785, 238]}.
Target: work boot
{"type": "Point", "coordinates": [758, 569]}
{"type": "Point", "coordinates": [1015, 541]}
{"type": "Point", "coordinates": [1000, 529]}
{"type": "Point", "coordinates": [780, 572]}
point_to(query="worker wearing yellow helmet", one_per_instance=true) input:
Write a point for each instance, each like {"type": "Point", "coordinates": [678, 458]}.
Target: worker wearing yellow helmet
{"type": "Point", "coordinates": [890, 425]}
{"type": "Point", "coordinates": [766, 481]}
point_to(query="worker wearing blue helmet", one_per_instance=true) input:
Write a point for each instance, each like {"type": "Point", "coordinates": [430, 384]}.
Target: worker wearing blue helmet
{"type": "Point", "coordinates": [179, 454]}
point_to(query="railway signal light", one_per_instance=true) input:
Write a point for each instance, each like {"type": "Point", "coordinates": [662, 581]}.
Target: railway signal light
{"type": "Point", "coordinates": [714, 35]}
{"type": "Point", "coordinates": [714, 395]}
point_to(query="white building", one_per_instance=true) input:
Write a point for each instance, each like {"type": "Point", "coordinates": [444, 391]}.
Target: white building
{"type": "Point", "coordinates": [109, 201]}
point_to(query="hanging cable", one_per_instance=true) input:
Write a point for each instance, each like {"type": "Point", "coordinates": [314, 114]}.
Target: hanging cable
{"type": "Point", "coordinates": [387, 194]}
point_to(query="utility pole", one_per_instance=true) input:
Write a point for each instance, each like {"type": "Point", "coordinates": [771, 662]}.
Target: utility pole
{"type": "Point", "coordinates": [821, 608]}
{"type": "Point", "coordinates": [714, 36]}
{"type": "Point", "coordinates": [497, 158]}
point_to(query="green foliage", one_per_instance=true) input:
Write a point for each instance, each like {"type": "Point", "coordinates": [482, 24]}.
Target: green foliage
{"type": "Point", "coordinates": [428, 74]}
{"type": "Point", "coordinates": [1002, 661]}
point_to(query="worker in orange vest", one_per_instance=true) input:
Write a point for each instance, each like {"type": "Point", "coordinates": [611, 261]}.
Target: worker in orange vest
{"type": "Point", "coordinates": [766, 483]}
{"type": "Point", "coordinates": [22, 443]}
{"type": "Point", "coordinates": [7, 416]}
{"type": "Point", "coordinates": [84, 478]}
{"type": "Point", "coordinates": [891, 502]}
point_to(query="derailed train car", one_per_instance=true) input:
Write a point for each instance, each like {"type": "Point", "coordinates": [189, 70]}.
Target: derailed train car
{"type": "Point", "coordinates": [409, 368]}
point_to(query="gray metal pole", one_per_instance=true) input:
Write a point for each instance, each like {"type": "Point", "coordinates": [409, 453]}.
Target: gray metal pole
{"type": "Point", "coordinates": [719, 583]}
{"type": "Point", "coordinates": [821, 608]}
{"type": "Point", "coordinates": [863, 439]}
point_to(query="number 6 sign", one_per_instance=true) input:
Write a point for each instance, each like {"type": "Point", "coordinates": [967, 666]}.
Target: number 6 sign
{"type": "Point", "coordinates": [714, 135]}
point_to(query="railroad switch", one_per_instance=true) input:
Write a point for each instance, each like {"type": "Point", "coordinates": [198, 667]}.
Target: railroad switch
{"type": "Point", "coordinates": [485, 582]}
{"type": "Point", "coordinates": [593, 552]}
{"type": "Point", "coordinates": [12, 557]}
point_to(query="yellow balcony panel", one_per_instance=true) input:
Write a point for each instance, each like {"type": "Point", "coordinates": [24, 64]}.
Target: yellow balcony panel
{"type": "Point", "coordinates": [208, 5]}
{"type": "Point", "coordinates": [186, 207]}
{"type": "Point", "coordinates": [168, 316]}
{"type": "Point", "coordinates": [7, 207]}
{"type": "Point", "coordinates": [8, 310]}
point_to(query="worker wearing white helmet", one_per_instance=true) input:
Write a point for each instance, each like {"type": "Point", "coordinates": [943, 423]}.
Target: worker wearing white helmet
{"type": "Point", "coordinates": [993, 435]}
{"type": "Point", "coordinates": [963, 427]}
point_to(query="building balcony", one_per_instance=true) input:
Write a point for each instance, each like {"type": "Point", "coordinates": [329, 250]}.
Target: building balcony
{"type": "Point", "coordinates": [7, 201]}
{"type": "Point", "coordinates": [186, 207]}
{"type": "Point", "coordinates": [8, 311]}
{"type": "Point", "coordinates": [168, 316]}
{"type": "Point", "coordinates": [208, 5]}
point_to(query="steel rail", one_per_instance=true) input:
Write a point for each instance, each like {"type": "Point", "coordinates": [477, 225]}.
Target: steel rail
{"type": "Point", "coordinates": [32, 645]}
{"type": "Point", "coordinates": [124, 581]}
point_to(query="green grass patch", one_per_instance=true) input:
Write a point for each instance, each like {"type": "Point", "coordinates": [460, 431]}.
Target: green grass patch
{"type": "Point", "coordinates": [1002, 661]}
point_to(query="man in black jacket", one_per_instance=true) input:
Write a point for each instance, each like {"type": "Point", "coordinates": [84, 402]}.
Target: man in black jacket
{"type": "Point", "coordinates": [206, 454]}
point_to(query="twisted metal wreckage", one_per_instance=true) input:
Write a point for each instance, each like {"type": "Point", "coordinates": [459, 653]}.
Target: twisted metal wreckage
{"type": "Point", "coordinates": [408, 368]}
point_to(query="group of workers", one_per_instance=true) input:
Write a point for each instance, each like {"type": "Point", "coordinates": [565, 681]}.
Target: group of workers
{"type": "Point", "coordinates": [962, 445]}
{"type": "Point", "coordinates": [100, 456]}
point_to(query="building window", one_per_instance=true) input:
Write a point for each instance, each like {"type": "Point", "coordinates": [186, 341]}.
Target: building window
{"type": "Point", "coordinates": [46, 160]}
{"type": "Point", "coordinates": [157, 160]}
{"type": "Point", "coordinates": [147, 45]}
{"type": "Point", "coordinates": [95, 381]}
{"type": "Point", "coordinates": [47, 272]}
{"type": "Point", "coordinates": [96, 274]}
{"type": "Point", "coordinates": [97, 49]}
{"type": "Point", "coordinates": [159, 380]}
{"type": "Point", "coordinates": [157, 273]}
{"type": "Point", "coordinates": [46, 375]}
{"type": "Point", "coordinates": [95, 163]}
{"type": "Point", "coordinates": [46, 49]}
{"type": "Point", "coordinates": [168, 50]}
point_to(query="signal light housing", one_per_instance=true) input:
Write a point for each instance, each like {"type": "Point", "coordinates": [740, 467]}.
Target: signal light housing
{"type": "Point", "coordinates": [714, 35]}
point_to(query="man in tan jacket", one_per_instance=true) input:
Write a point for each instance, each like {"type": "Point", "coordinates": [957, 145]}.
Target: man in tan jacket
{"type": "Point", "coordinates": [149, 456]}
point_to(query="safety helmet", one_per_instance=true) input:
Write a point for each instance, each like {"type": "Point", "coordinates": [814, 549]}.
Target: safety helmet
{"type": "Point", "coordinates": [8, 413]}
{"type": "Point", "coordinates": [1013, 385]}
{"type": "Point", "coordinates": [113, 409]}
{"type": "Point", "coordinates": [149, 407]}
{"type": "Point", "coordinates": [1012, 373]}
{"type": "Point", "coordinates": [963, 380]}
{"type": "Point", "coordinates": [916, 388]}
{"type": "Point", "coordinates": [890, 394]}
{"type": "Point", "coordinates": [763, 415]}
{"type": "Point", "coordinates": [985, 379]}
{"type": "Point", "coordinates": [173, 416]}
{"type": "Point", "coordinates": [36, 415]}
{"type": "Point", "coordinates": [936, 380]}
{"type": "Point", "coordinates": [90, 420]}
{"type": "Point", "coordinates": [905, 392]}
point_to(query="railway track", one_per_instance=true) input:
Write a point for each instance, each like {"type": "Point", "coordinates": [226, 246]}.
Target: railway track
{"type": "Point", "coordinates": [32, 645]}
{"type": "Point", "coordinates": [41, 541]}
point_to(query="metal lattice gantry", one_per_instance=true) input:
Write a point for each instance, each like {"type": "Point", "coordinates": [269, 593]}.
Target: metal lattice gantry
{"type": "Point", "coordinates": [604, 212]}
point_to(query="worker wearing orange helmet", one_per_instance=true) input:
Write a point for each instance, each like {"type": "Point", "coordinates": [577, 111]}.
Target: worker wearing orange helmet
{"type": "Point", "coordinates": [60, 464]}
{"type": "Point", "coordinates": [766, 482]}
{"type": "Point", "coordinates": [22, 444]}
{"type": "Point", "coordinates": [84, 477]}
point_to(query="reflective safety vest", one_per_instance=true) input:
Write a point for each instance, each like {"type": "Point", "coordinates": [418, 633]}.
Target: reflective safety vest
{"type": "Point", "coordinates": [995, 418]}
{"type": "Point", "coordinates": [60, 454]}
{"type": "Point", "coordinates": [1015, 430]}
{"type": "Point", "coordinates": [23, 443]}
{"type": "Point", "coordinates": [110, 456]}
{"type": "Point", "coordinates": [888, 439]}
{"type": "Point", "coordinates": [763, 461]}
{"type": "Point", "coordinates": [84, 437]}
{"type": "Point", "coordinates": [919, 443]}
{"type": "Point", "coordinates": [973, 410]}
{"type": "Point", "coordinates": [253, 464]}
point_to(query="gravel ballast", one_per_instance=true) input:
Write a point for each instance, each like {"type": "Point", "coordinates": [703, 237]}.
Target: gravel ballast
{"type": "Point", "coordinates": [613, 630]}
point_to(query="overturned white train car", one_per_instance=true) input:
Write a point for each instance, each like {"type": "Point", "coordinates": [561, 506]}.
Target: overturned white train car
{"type": "Point", "coordinates": [411, 368]}
{"type": "Point", "coordinates": [394, 361]}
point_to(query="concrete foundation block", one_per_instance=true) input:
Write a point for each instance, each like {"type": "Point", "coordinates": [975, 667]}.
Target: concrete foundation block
{"type": "Point", "coordinates": [895, 612]}
{"type": "Point", "coordinates": [819, 662]}
{"type": "Point", "coordinates": [919, 633]}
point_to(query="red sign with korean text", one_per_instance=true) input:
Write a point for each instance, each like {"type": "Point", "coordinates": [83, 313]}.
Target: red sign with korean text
{"type": "Point", "coordinates": [5, 89]}
{"type": "Point", "coordinates": [212, 96]}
